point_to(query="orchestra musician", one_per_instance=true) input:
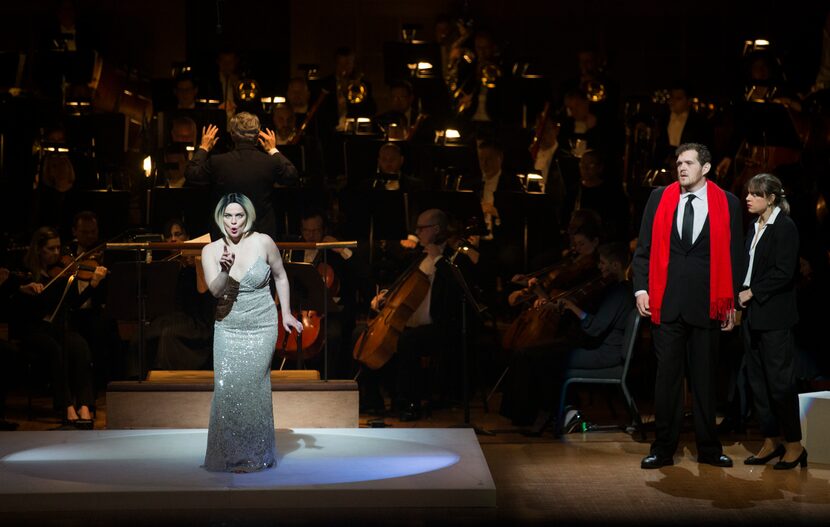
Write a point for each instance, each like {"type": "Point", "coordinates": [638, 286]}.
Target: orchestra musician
{"type": "Point", "coordinates": [285, 123]}
{"type": "Point", "coordinates": [100, 331]}
{"type": "Point", "coordinates": [346, 83]}
{"type": "Point", "coordinates": [536, 374]}
{"type": "Point", "coordinates": [182, 338]}
{"type": "Point", "coordinates": [432, 332]}
{"type": "Point", "coordinates": [681, 125]}
{"type": "Point", "coordinates": [390, 174]}
{"type": "Point", "coordinates": [42, 320]}
{"type": "Point", "coordinates": [339, 276]}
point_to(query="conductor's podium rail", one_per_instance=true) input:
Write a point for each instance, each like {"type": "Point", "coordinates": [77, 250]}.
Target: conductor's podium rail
{"type": "Point", "coordinates": [181, 399]}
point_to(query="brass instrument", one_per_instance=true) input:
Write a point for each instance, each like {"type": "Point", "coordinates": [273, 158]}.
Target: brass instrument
{"type": "Point", "coordinates": [595, 91]}
{"type": "Point", "coordinates": [355, 90]}
{"type": "Point", "coordinates": [248, 90]}
{"type": "Point", "coordinates": [297, 134]}
{"type": "Point", "coordinates": [490, 73]}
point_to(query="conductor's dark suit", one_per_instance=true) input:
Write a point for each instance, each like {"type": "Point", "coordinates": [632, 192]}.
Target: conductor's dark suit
{"type": "Point", "coordinates": [246, 170]}
{"type": "Point", "coordinates": [686, 334]}
{"type": "Point", "coordinates": [767, 327]}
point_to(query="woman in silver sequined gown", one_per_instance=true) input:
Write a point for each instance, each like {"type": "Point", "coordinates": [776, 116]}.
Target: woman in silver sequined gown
{"type": "Point", "coordinates": [238, 269]}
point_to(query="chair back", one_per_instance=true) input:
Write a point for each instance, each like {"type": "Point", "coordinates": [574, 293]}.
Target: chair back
{"type": "Point", "coordinates": [632, 330]}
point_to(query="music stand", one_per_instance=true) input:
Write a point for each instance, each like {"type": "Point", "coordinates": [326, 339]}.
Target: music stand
{"type": "Point", "coordinates": [296, 154]}
{"type": "Point", "coordinates": [455, 157]}
{"type": "Point", "coordinates": [110, 206]}
{"type": "Point", "coordinates": [463, 205]}
{"type": "Point", "coordinates": [308, 292]}
{"type": "Point", "coordinates": [376, 214]}
{"type": "Point", "coordinates": [141, 291]}
{"type": "Point", "coordinates": [770, 124]}
{"type": "Point", "coordinates": [289, 203]}
{"type": "Point", "coordinates": [467, 298]}
{"type": "Point", "coordinates": [193, 205]}
{"type": "Point", "coordinates": [524, 214]}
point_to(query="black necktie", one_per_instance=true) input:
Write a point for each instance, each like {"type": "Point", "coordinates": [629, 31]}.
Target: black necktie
{"type": "Point", "coordinates": [687, 232]}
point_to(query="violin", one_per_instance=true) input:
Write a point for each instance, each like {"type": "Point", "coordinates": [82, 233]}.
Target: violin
{"type": "Point", "coordinates": [82, 267]}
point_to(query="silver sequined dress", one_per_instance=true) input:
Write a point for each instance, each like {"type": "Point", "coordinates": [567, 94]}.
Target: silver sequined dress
{"type": "Point", "coordinates": [241, 431]}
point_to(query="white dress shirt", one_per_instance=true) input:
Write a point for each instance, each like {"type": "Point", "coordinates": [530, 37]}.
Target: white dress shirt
{"type": "Point", "coordinates": [701, 207]}
{"type": "Point", "coordinates": [755, 239]}
{"type": "Point", "coordinates": [421, 316]}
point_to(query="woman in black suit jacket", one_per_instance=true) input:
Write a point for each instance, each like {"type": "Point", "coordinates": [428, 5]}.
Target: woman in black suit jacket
{"type": "Point", "coordinates": [768, 299]}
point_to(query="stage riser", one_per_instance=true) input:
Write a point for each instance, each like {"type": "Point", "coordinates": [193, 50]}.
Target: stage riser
{"type": "Point", "coordinates": [191, 409]}
{"type": "Point", "coordinates": [815, 425]}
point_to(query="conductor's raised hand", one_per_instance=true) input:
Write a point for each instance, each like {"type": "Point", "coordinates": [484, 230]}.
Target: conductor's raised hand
{"type": "Point", "coordinates": [226, 260]}
{"type": "Point", "coordinates": [268, 139]}
{"type": "Point", "coordinates": [209, 138]}
{"type": "Point", "coordinates": [289, 323]}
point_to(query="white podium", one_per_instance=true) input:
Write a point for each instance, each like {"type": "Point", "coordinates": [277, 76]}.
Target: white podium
{"type": "Point", "coordinates": [815, 425]}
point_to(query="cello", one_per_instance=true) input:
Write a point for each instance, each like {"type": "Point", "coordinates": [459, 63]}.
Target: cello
{"type": "Point", "coordinates": [539, 325]}
{"type": "Point", "coordinates": [533, 327]}
{"type": "Point", "coordinates": [312, 336]}
{"type": "Point", "coordinates": [379, 340]}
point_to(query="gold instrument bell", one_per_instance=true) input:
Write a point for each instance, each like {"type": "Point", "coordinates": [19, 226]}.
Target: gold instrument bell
{"type": "Point", "coordinates": [490, 73]}
{"type": "Point", "coordinates": [248, 90]}
{"type": "Point", "coordinates": [356, 90]}
{"type": "Point", "coordinates": [595, 91]}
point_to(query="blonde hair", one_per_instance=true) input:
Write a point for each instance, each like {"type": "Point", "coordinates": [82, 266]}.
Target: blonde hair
{"type": "Point", "coordinates": [244, 202]}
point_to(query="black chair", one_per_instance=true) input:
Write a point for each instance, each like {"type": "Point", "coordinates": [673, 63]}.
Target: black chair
{"type": "Point", "coordinates": [614, 375]}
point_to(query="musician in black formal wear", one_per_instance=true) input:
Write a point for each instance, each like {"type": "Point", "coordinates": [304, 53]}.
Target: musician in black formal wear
{"type": "Point", "coordinates": [769, 300]}
{"type": "Point", "coordinates": [246, 169]}
{"type": "Point", "coordinates": [681, 125]}
{"type": "Point", "coordinates": [688, 254]}
{"type": "Point", "coordinates": [432, 333]}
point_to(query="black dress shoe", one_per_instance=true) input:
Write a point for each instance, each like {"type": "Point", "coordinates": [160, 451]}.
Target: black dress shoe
{"type": "Point", "coordinates": [84, 424]}
{"type": "Point", "coordinates": [786, 465]}
{"type": "Point", "coordinates": [754, 460]}
{"type": "Point", "coordinates": [718, 461]}
{"type": "Point", "coordinates": [655, 461]}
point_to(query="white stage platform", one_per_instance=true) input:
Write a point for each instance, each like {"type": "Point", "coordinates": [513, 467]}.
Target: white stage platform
{"type": "Point", "coordinates": [160, 470]}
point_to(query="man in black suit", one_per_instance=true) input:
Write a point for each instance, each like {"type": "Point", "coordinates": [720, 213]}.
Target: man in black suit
{"type": "Point", "coordinates": [687, 258]}
{"type": "Point", "coordinates": [680, 126]}
{"type": "Point", "coordinates": [245, 169]}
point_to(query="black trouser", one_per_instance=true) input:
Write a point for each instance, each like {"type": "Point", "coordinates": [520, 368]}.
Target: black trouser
{"type": "Point", "coordinates": [70, 362]}
{"type": "Point", "coordinates": [770, 362]}
{"type": "Point", "coordinates": [678, 346]}
{"type": "Point", "coordinates": [414, 345]}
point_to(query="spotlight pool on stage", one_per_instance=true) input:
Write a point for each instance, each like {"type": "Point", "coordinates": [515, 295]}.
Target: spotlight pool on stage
{"type": "Point", "coordinates": [162, 469]}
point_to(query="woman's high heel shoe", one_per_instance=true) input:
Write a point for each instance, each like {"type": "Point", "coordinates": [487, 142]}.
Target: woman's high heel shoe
{"type": "Point", "coordinates": [786, 465]}
{"type": "Point", "coordinates": [753, 460]}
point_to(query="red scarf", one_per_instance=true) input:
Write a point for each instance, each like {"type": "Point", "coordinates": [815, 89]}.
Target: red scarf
{"type": "Point", "coordinates": [721, 294]}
